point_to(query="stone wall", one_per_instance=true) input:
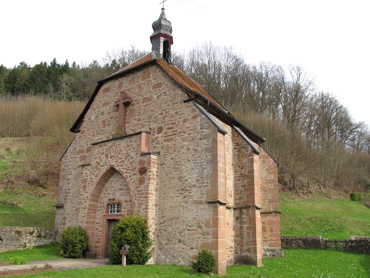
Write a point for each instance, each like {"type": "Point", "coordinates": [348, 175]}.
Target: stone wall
{"type": "Point", "coordinates": [303, 242]}
{"type": "Point", "coordinates": [270, 211]}
{"type": "Point", "coordinates": [247, 218]}
{"type": "Point", "coordinates": [18, 238]}
{"type": "Point", "coordinates": [354, 244]}
{"type": "Point", "coordinates": [359, 244]}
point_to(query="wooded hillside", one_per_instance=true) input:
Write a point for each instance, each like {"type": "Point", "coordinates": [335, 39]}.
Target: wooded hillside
{"type": "Point", "coordinates": [308, 131]}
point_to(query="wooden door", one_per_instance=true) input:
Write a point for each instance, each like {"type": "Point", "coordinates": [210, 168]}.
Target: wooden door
{"type": "Point", "coordinates": [111, 224]}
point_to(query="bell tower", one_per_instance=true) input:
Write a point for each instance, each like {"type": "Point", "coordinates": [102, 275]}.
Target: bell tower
{"type": "Point", "coordinates": [162, 37]}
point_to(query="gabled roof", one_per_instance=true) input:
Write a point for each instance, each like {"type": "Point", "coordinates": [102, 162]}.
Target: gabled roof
{"type": "Point", "coordinates": [172, 71]}
{"type": "Point", "coordinates": [195, 92]}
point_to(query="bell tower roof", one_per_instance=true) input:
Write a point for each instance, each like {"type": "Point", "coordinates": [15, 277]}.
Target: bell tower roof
{"type": "Point", "coordinates": [162, 25]}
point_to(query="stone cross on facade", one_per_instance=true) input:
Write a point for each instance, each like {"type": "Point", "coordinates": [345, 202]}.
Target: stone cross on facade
{"type": "Point", "coordinates": [123, 101]}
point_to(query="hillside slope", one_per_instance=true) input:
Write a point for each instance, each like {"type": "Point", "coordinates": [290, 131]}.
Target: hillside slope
{"type": "Point", "coordinates": [29, 170]}
{"type": "Point", "coordinates": [334, 219]}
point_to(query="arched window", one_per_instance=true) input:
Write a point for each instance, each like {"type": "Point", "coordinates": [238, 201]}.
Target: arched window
{"type": "Point", "coordinates": [167, 51]}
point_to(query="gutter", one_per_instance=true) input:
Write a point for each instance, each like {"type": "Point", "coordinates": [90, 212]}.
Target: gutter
{"type": "Point", "coordinates": [225, 117]}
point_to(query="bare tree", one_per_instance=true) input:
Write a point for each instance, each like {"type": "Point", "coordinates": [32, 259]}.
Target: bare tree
{"type": "Point", "coordinates": [293, 94]}
{"type": "Point", "coordinates": [118, 59]}
{"type": "Point", "coordinates": [263, 93]}
{"type": "Point", "coordinates": [221, 72]}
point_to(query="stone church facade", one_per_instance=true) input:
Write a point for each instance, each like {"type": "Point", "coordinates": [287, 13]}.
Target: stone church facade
{"type": "Point", "coordinates": [153, 142]}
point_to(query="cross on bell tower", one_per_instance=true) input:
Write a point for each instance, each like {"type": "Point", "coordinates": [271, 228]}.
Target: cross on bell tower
{"type": "Point", "coordinates": [163, 3]}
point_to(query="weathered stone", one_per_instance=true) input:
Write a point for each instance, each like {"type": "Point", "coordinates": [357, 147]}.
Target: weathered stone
{"type": "Point", "coordinates": [359, 245]}
{"type": "Point", "coordinates": [354, 244]}
{"type": "Point", "coordinates": [18, 238]}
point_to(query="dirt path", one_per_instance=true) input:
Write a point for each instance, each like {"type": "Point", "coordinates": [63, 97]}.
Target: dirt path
{"type": "Point", "coordinates": [51, 265]}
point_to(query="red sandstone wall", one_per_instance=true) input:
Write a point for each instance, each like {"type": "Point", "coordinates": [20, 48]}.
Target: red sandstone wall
{"type": "Point", "coordinates": [69, 190]}
{"type": "Point", "coordinates": [185, 139]}
{"type": "Point", "coordinates": [270, 213]}
{"type": "Point", "coordinates": [247, 220]}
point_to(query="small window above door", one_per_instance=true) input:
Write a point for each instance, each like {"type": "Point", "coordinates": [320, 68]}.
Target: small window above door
{"type": "Point", "coordinates": [114, 208]}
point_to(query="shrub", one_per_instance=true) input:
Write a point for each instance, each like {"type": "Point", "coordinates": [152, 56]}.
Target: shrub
{"type": "Point", "coordinates": [18, 260]}
{"type": "Point", "coordinates": [367, 184]}
{"type": "Point", "coordinates": [132, 230]}
{"type": "Point", "coordinates": [73, 242]}
{"type": "Point", "coordinates": [204, 262]}
{"type": "Point", "coordinates": [359, 196]}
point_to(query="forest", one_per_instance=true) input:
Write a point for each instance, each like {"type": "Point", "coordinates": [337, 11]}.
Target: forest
{"type": "Point", "coordinates": [312, 135]}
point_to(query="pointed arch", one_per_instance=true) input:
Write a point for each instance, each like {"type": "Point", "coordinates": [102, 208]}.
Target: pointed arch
{"type": "Point", "coordinates": [91, 217]}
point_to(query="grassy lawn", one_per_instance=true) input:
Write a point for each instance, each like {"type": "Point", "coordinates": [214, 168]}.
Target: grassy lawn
{"type": "Point", "coordinates": [297, 263]}
{"type": "Point", "coordinates": [330, 219]}
{"type": "Point", "coordinates": [36, 211]}
{"type": "Point", "coordinates": [9, 159]}
{"type": "Point", "coordinates": [40, 253]}
{"type": "Point", "coordinates": [29, 198]}
{"type": "Point", "coordinates": [28, 219]}
{"type": "Point", "coordinates": [308, 263]}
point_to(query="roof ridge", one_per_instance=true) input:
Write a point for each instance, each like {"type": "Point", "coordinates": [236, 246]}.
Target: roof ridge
{"type": "Point", "coordinates": [187, 76]}
{"type": "Point", "coordinates": [185, 80]}
{"type": "Point", "coordinates": [136, 62]}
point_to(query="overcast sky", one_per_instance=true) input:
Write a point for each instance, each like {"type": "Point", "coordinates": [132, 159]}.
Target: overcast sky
{"type": "Point", "coordinates": [330, 39]}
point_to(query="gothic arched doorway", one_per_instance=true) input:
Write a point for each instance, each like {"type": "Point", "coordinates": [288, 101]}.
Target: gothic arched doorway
{"type": "Point", "coordinates": [110, 200]}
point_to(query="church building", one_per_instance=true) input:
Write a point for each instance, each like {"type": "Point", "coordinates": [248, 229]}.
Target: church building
{"type": "Point", "coordinates": [151, 141]}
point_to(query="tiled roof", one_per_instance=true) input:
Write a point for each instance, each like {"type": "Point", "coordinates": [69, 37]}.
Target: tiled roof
{"type": "Point", "coordinates": [144, 60]}
{"type": "Point", "coordinates": [186, 81]}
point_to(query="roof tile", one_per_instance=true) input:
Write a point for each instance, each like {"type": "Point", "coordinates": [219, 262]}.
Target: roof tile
{"type": "Point", "coordinates": [143, 60]}
{"type": "Point", "coordinates": [186, 81]}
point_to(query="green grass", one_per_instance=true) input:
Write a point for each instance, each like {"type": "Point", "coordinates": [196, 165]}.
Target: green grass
{"type": "Point", "coordinates": [7, 208]}
{"type": "Point", "coordinates": [36, 210]}
{"type": "Point", "coordinates": [128, 271]}
{"type": "Point", "coordinates": [40, 253]}
{"type": "Point", "coordinates": [308, 263]}
{"type": "Point", "coordinates": [28, 219]}
{"type": "Point", "coordinates": [297, 263]}
{"type": "Point", "coordinates": [18, 260]}
{"type": "Point", "coordinates": [10, 159]}
{"type": "Point", "coordinates": [31, 199]}
{"type": "Point", "coordinates": [330, 219]}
